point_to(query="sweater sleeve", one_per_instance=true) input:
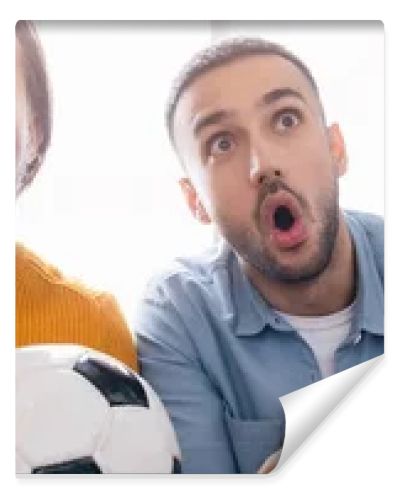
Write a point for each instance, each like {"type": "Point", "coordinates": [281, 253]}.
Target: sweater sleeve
{"type": "Point", "coordinates": [52, 309]}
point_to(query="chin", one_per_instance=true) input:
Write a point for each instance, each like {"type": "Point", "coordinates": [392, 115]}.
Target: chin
{"type": "Point", "coordinates": [297, 276]}
{"type": "Point", "coordinates": [298, 271]}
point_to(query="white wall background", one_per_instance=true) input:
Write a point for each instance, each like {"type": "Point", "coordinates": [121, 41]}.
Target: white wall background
{"type": "Point", "coordinates": [106, 208]}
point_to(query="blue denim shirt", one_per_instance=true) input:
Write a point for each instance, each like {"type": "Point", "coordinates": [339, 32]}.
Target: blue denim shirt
{"type": "Point", "coordinates": [220, 357]}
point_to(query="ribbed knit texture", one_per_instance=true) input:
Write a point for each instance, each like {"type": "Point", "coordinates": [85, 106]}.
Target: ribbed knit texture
{"type": "Point", "coordinates": [51, 309]}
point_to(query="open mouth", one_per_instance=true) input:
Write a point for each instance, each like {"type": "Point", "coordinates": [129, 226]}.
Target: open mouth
{"type": "Point", "coordinates": [283, 219]}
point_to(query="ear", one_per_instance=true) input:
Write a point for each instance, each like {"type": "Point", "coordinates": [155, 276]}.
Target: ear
{"type": "Point", "coordinates": [338, 149]}
{"type": "Point", "coordinates": [193, 201]}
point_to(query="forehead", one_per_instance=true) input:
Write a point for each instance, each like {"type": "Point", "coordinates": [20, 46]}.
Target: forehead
{"type": "Point", "coordinates": [239, 85]}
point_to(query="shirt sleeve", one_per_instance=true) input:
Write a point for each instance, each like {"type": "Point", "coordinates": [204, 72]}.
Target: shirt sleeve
{"type": "Point", "coordinates": [168, 361]}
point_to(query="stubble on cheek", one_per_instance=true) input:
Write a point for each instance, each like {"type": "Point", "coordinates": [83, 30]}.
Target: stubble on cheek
{"type": "Point", "coordinates": [251, 242]}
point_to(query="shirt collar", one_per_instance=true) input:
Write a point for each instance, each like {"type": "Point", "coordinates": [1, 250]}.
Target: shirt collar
{"type": "Point", "coordinates": [252, 313]}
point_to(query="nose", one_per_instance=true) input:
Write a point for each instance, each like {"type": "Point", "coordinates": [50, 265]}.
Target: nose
{"type": "Point", "coordinates": [260, 171]}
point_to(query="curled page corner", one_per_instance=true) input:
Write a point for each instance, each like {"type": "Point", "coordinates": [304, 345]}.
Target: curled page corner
{"type": "Point", "coordinates": [306, 408]}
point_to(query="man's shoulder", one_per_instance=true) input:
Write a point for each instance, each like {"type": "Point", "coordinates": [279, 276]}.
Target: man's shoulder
{"type": "Point", "coordinates": [369, 231]}
{"type": "Point", "coordinates": [371, 224]}
{"type": "Point", "coordinates": [195, 271]}
{"type": "Point", "coordinates": [179, 301]}
{"type": "Point", "coordinates": [369, 220]}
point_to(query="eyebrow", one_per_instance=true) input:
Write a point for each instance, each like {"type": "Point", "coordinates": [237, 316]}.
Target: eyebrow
{"type": "Point", "coordinates": [276, 94]}
{"type": "Point", "coordinates": [200, 122]}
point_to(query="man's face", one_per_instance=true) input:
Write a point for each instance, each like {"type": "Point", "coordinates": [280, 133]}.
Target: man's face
{"type": "Point", "coordinates": [262, 164]}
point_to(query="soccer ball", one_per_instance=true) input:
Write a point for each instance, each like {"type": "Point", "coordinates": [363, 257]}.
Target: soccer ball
{"type": "Point", "coordinates": [79, 411]}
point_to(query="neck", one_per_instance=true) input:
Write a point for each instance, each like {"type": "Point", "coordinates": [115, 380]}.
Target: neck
{"type": "Point", "coordinates": [331, 291]}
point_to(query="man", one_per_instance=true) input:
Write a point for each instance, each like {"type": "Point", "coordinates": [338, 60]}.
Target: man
{"type": "Point", "coordinates": [294, 291]}
{"type": "Point", "coordinates": [49, 308]}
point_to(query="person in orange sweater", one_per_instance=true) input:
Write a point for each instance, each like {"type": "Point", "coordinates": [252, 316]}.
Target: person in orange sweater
{"type": "Point", "coordinates": [49, 307]}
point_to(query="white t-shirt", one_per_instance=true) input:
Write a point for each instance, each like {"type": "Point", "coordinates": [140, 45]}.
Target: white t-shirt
{"type": "Point", "coordinates": [323, 334]}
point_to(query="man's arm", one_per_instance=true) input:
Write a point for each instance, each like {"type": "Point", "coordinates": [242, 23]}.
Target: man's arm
{"type": "Point", "coordinates": [168, 361]}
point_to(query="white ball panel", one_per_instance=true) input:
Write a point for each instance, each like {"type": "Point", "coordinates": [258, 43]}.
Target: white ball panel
{"type": "Point", "coordinates": [136, 442]}
{"type": "Point", "coordinates": [60, 416]}
{"type": "Point", "coordinates": [40, 356]}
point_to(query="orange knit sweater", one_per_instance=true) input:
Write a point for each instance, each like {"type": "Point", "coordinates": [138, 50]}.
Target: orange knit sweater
{"type": "Point", "coordinates": [50, 309]}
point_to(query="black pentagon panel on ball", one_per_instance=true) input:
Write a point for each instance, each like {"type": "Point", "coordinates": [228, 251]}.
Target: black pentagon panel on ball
{"type": "Point", "coordinates": [120, 387]}
{"type": "Point", "coordinates": [176, 467]}
{"type": "Point", "coordinates": [84, 465]}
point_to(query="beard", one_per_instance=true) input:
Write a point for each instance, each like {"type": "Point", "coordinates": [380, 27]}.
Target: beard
{"type": "Point", "coordinates": [254, 252]}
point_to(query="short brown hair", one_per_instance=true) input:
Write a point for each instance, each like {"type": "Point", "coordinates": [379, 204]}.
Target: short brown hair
{"type": "Point", "coordinates": [36, 85]}
{"type": "Point", "coordinates": [219, 54]}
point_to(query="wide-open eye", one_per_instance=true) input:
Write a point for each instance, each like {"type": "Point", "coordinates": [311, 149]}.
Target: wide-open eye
{"type": "Point", "coordinates": [287, 119]}
{"type": "Point", "coordinates": [220, 144]}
